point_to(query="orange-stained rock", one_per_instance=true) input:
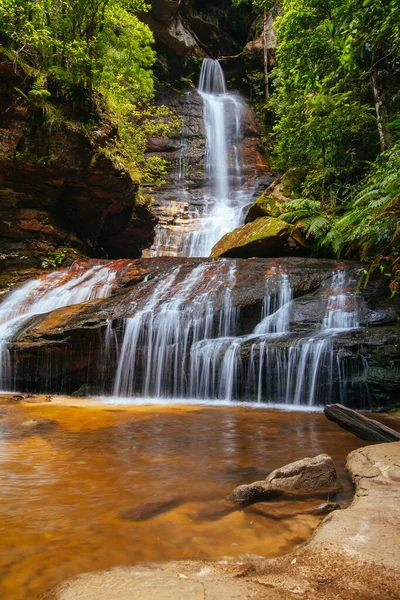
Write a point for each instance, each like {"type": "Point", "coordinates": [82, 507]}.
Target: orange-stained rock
{"type": "Point", "coordinates": [57, 190]}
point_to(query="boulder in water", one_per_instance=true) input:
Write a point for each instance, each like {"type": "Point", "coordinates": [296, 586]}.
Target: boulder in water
{"type": "Point", "coordinates": [306, 476]}
{"type": "Point", "coordinates": [264, 237]}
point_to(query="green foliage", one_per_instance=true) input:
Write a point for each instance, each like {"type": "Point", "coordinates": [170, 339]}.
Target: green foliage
{"type": "Point", "coordinates": [103, 48]}
{"type": "Point", "coordinates": [55, 259]}
{"type": "Point", "coordinates": [367, 227]}
{"type": "Point", "coordinates": [324, 117]}
{"type": "Point", "coordinates": [336, 102]}
{"type": "Point", "coordinates": [314, 220]}
{"type": "Point", "coordinates": [371, 227]}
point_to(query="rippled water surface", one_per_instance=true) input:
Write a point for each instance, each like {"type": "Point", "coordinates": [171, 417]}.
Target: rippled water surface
{"type": "Point", "coordinates": [87, 487]}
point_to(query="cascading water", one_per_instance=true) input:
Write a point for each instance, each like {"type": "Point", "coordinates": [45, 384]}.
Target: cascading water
{"type": "Point", "coordinates": [270, 364]}
{"type": "Point", "coordinates": [220, 208]}
{"type": "Point", "coordinates": [61, 288]}
{"type": "Point", "coordinates": [186, 343]}
{"type": "Point", "coordinates": [154, 357]}
{"type": "Point", "coordinates": [184, 339]}
{"type": "Point", "coordinates": [222, 115]}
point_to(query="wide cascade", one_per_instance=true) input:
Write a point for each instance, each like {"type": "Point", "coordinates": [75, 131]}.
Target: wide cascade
{"type": "Point", "coordinates": [78, 284]}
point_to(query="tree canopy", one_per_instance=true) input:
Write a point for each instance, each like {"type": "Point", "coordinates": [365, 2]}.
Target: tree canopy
{"type": "Point", "coordinates": [102, 47]}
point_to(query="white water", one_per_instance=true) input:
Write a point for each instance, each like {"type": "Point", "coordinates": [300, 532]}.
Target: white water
{"type": "Point", "coordinates": [154, 355]}
{"type": "Point", "coordinates": [299, 371]}
{"type": "Point", "coordinates": [59, 288]}
{"type": "Point", "coordinates": [220, 206]}
{"type": "Point", "coordinates": [305, 371]}
{"type": "Point", "coordinates": [225, 200]}
{"type": "Point", "coordinates": [183, 343]}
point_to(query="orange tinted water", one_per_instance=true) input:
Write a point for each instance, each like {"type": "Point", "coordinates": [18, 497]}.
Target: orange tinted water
{"type": "Point", "coordinates": [86, 487]}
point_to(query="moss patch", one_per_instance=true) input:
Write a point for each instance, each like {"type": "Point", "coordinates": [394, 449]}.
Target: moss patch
{"type": "Point", "coordinates": [266, 236]}
{"type": "Point", "coordinates": [272, 202]}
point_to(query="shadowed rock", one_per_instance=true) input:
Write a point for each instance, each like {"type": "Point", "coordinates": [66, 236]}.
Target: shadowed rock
{"type": "Point", "coordinates": [306, 476]}
{"type": "Point", "coordinates": [148, 510]}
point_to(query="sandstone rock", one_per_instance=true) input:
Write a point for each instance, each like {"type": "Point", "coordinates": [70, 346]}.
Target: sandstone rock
{"type": "Point", "coordinates": [326, 508]}
{"type": "Point", "coordinates": [10, 398]}
{"type": "Point", "coordinates": [272, 201]}
{"type": "Point", "coordinates": [264, 237]}
{"type": "Point", "coordinates": [306, 476]}
{"type": "Point", "coordinates": [151, 509]}
{"type": "Point", "coordinates": [57, 189]}
{"type": "Point", "coordinates": [37, 399]}
{"type": "Point", "coordinates": [266, 205]}
{"type": "Point", "coordinates": [259, 491]}
{"type": "Point", "coordinates": [36, 427]}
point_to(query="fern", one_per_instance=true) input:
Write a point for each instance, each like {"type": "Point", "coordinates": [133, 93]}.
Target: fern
{"type": "Point", "coordinates": [371, 225]}
{"type": "Point", "coordinates": [309, 216]}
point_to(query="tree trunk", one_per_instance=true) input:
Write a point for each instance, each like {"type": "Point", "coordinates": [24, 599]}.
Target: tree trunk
{"type": "Point", "coordinates": [361, 427]}
{"type": "Point", "coordinates": [382, 117]}
{"type": "Point", "coordinates": [266, 73]}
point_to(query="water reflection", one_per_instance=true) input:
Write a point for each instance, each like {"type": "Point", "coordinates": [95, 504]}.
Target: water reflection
{"type": "Point", "coordinates": [92, 487]}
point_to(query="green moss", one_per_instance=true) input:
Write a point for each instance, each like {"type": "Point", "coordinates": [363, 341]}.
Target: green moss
{"type": "Point", "coordinates": [261, 229]}
{"type": "Point", "coordinates": [266, 205]}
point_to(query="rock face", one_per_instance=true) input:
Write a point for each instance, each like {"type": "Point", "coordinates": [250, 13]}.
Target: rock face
{"type": "Point", "coordinates": [73, 339]}
{"type": "Point", "coordinates": [178, 203]}
{"type": "Point", "coordinates": [251, 58]}
{"type": "Point", "coordinates": [57, 190]}
{"type": "Point", "coordinates": [354, 553]}
{"type": "Point", "coordinates": [264, 237]}
{"type": "Point", "coordinates": [306, 476]}
{"type": "Point", "coordinates": [187, 30]}
{"type": "Point", "coordinates": [271, 203]}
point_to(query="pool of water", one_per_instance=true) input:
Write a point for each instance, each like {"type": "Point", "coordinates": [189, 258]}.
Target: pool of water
{"type": "Point", "coordinates": [87, 485]}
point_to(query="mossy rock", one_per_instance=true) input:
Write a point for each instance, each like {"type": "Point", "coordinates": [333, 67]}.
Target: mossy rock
{"type": "Point", "coordinates": [266, 237]}
{"type": "Point", "coordinates": [272, 201]}
{"type": "Point", "coordinates": [266, 205]}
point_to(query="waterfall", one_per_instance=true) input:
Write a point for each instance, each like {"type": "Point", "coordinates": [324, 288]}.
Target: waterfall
{"type": "Point", "coordinates": [155, 352]}
{"type": "Point", "coordinates": [280, 368]}
{"type": "Point", "coordinates": [304, 371]}
{"type": "Point", "coordinates": [60, 288]}
{"type": "Point", "coordinates": [197, 222]}
{"type": "Point", "coordinates": [185, 337]}
{"type": "Point", "coordinates": [225, 200]}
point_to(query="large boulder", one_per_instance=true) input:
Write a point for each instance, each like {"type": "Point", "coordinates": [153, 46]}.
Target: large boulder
{"type": "Point", "coordinates": [306, 476]}
{"type": "Point", "coordinates": [271, 203]}
{"type": "Point", "coordinates": [264, 237]}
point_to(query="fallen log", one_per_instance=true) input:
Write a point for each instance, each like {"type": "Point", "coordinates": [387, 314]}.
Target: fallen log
{"type": "Point", "coordinates": [360, 426]}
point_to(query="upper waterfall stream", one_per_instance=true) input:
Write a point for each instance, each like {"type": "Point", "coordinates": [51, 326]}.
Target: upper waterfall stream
{"type": "Point", "coordinates": [224, 197]}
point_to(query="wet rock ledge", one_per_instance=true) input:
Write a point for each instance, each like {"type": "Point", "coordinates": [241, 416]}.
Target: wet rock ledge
{"type": "Point", "coordinates": [354, 553]}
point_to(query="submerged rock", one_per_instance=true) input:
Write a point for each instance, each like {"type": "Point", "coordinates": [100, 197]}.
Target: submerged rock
{"type": "Point", "coordinates": [264, 237]}
{"type": "Point", "coordinates": [306, 476]}
{"type": "Point", "coordinates": [326, 508]}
